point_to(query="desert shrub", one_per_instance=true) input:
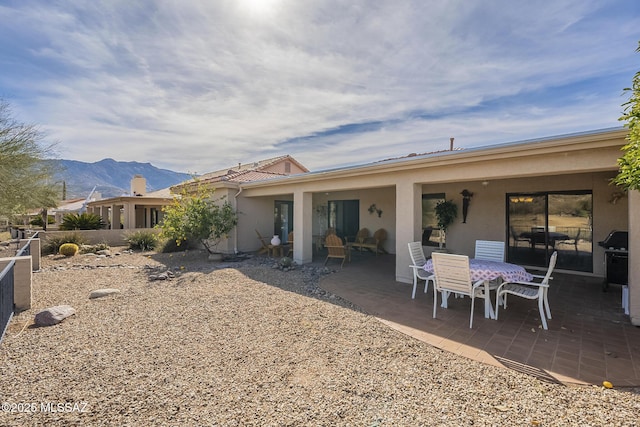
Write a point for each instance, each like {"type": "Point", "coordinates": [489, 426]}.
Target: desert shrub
{"type": "Point", "coordinates": [285, 262]}
{"type": "Point", "coordinates": [54, 242]}
{"type": "Point", "coordinates": [37, 221]}
{"type": "Point", "coordinates": [83, 221]}
{"type": "Point", "coordinates": [68, 249]}
{"type": "Point", "coordinates": [170, 245]}
{"type": "Point", "coordinates": [142, 240]}
{"type": "Point", "coordinates": [92, 249]}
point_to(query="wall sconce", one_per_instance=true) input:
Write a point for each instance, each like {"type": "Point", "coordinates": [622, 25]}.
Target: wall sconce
{"type": "Point", "coordinates": [373, 208]}
{"type": "Point", "coordinates": [485, 183]}
{"type": "Point", "coordinates": [616, 196]}
{"type": "Point", "coordinates": [466, 197]}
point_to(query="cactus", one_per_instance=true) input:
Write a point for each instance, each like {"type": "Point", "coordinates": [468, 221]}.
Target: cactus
{"type": "Point", "coordinates": [69, 249]}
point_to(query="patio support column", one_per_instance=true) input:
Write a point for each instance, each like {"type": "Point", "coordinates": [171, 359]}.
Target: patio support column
{"type": "Point", "coordinates": [129, 216]}
{"type": "Point", "coordinates": [104, 213]}
{"type": "Point", "coordinates": [147, 217]}
{"type": "Point", "coordinates": [408, 226]}
{"type": "Point", "coordinates": [634, 257]}
{"type": "Point", "coordinates": [115, 217]}
{"type": "Point", "coordinates": [302, 227]}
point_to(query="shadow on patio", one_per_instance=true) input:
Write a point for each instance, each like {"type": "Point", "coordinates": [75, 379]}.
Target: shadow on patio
{"type": "Point", "coordinates": [589, 338]}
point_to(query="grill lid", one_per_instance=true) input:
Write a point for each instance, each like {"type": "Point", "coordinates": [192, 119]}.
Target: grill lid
{"type": "Point", "coordinates": [616, 240]}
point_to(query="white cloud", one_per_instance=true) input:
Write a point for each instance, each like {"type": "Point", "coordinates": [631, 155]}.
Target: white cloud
{"type": "Point", "coordinates": [196, 86]}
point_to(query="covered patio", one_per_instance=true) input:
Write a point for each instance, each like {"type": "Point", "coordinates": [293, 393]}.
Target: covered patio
{"type": "Point", "coordinates": [589, 340]}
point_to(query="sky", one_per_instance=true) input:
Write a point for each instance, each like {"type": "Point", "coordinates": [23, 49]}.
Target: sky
{"type": "Point", "coordinates": [200, 85]}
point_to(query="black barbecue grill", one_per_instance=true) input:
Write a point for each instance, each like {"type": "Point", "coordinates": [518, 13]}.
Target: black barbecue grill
{"type": "Point", "coordinates": [616, 255]}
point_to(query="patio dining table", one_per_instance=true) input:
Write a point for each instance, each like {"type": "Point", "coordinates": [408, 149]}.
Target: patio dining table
{"type": "Point", "coordinates": [489, 270]}
{"type": "Point", "coordinates": [541, 238]}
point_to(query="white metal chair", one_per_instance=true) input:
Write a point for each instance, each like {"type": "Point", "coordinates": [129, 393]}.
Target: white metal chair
{"type": "Point", "coordinates": [489, 250]}
{"type": "Point", "coordinates": [530, 290]}
{"type": "Point", "coordinates": [454, 275]}
{"type": "Point", "coordinates": [418, 261]}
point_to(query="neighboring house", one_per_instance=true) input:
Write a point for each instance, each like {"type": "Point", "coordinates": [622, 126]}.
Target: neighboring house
{"type": "Point", "coordinates": [561, 184]}
{"type": "Point", "coordinates": [139, 209]}
{"type": "Point", "coordinates": [142, 209]}
{"type": "Point", "coordinates": [73, 206]}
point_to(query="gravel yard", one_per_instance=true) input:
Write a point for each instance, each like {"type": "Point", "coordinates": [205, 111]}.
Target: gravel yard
{"type": "Point", "coordinates": [244, 344]}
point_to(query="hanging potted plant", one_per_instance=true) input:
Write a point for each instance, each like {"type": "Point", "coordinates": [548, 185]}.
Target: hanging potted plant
{"type": "Point", "coordinates": [446, 213]}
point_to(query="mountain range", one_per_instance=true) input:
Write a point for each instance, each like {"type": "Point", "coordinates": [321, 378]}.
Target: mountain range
{"type": "Point", "coordinates": [110, 177]}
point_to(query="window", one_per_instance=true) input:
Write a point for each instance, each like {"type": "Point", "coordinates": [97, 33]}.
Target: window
{"type": "Point", "coordinates": [430, 230]}
{"type": "Point", "coordinates": [541, 223]}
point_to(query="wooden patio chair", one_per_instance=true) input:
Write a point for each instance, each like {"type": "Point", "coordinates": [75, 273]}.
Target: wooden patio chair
{"type": "Point", "coordinates": [419, 260]}
{"type": "Point", "coordinates": [530, 290]}
{"type": "Point", "coordinates": [336, 249]}
{"type": "Point", "coordinates": [453, 275]}
{"type": "Point", "coordinates": [266, 246]}
{"type": "Point", "coordinates": [290, 242]}
{"type": "Point", "coordinates": [361, 237]}
{"type": "Point", "coordinates": [323, 239]}
{"type": "Point", "coordinates": [376, 243]}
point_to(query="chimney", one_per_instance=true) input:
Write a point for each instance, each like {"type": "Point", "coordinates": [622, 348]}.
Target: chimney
{"type": "Point", "coordinates": [138, 186]}
{"type": "Point", "coordinates": [451, 144]}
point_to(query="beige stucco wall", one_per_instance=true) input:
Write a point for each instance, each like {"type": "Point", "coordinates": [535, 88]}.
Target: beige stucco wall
{"type": "Point", "coordinates": [34, 251]}
{"type": "Point", "coordinates": [94, 237]}
{"type": "Point", "coordinates": [22, 279]}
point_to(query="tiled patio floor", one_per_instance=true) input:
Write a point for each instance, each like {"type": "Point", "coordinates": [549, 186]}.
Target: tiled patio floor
{"type": "Point", "coordinates": [589, 340]}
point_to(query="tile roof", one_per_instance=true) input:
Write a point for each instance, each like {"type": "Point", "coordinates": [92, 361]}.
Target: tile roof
{"type": "Point", "coordinates": [246, 172]}
{"type": "Point", "coordinates": [253, 166]}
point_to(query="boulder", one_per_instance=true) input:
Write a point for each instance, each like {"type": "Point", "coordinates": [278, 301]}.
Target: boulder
{"type": "Point", "coordinates": [99, 293]}
{"type": "Point", "coordinates": [162, 276]}
{"type": "Point", "coordinates": [53, 315]}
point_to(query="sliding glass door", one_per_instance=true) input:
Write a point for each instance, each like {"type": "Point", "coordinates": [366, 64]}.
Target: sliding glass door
{"type": "Point", "coordinates": [541, 223]}
{"type": "Point", "coordinates": [283, 219]}
{"type": "Point", "coordinates": [344, 217]}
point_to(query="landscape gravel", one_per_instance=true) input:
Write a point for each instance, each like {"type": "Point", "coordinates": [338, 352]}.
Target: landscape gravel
{"type": "Point", "coordinates": [191, 342]}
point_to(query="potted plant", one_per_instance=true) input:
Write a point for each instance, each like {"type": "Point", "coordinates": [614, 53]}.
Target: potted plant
{"type": "Point", "coordinates": [446, 213]}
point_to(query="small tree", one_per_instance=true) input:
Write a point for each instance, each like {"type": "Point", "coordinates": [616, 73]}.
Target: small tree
{"type": "Point", "coordinates": [197, 216]}
{"type": "Point", "coordinates": [629, 174]}
{"type": "Point", "coordinates": [25, 176]}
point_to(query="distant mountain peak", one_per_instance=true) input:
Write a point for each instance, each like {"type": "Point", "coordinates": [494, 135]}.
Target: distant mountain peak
{"type": "Point", "coordinates": [111, 178]}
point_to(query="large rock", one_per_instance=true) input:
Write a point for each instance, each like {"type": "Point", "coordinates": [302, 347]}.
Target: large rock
{"type": "Point", "coordinates": [99, 293]}
{"type": "Point", "coordinates": [53, 315]}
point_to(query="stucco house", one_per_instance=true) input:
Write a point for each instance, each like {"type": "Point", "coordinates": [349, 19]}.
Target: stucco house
{"type": "Point", "coordinates": [138, 209]}
{"type": "Point", "coordinates": [227, 185]}
{"type": "Point", "coordinates": [560, 186]}
{"type": "Point", "coordinates": [142, 209]}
